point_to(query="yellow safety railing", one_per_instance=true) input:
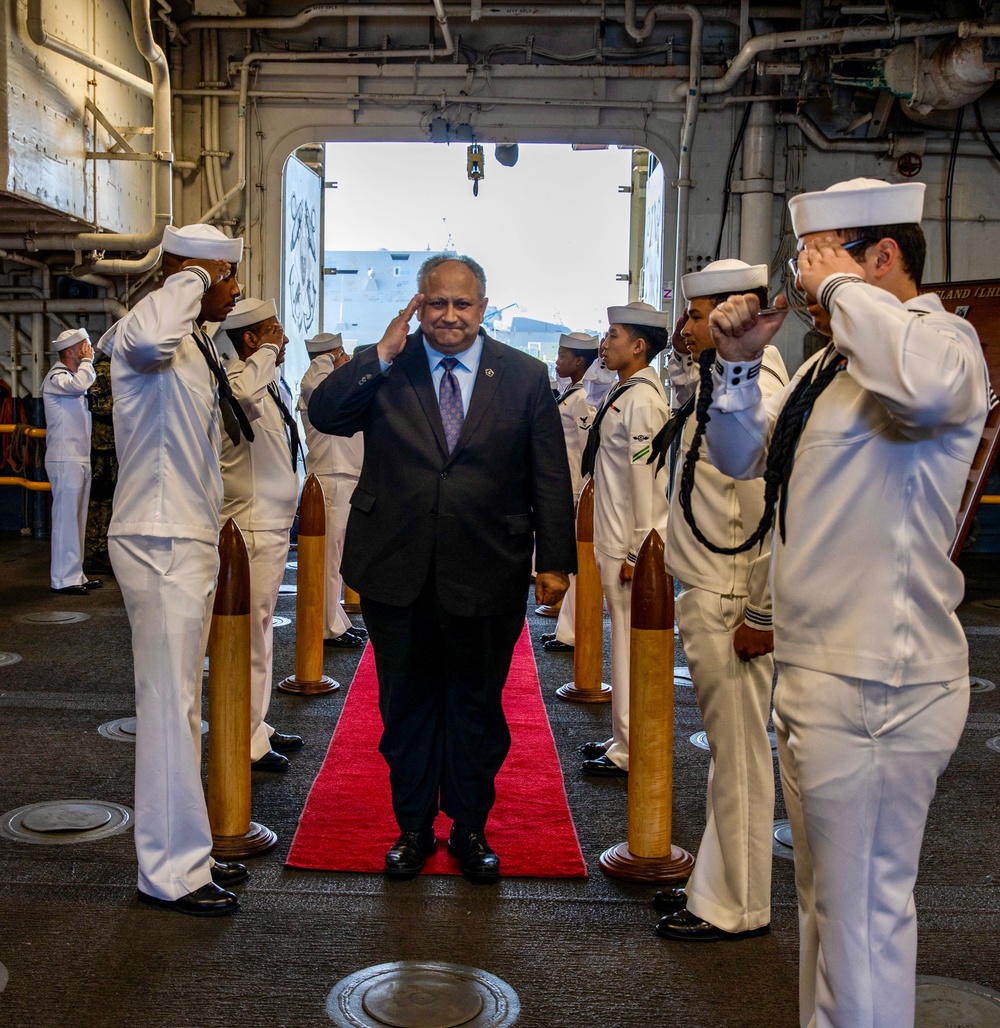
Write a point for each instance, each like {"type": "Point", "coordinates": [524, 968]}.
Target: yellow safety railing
{"type": "Point", "coordinates": [27, 483]}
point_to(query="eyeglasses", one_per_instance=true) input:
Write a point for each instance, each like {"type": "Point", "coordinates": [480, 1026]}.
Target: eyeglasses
{"type": "Point", "coordinates": [793, 262]}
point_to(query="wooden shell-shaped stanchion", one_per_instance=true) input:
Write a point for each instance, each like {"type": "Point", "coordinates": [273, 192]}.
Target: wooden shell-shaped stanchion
{"type": "Point", "coordinates": [352, 601]}
{"type": "Point", "coordinates": [233, 833]}
{"type": "Point", "coordinates": [588, 648]}
{"type": "Point", "coordinates": [648, 855]}
{"type": "Point", "coordinates": [309, 679]}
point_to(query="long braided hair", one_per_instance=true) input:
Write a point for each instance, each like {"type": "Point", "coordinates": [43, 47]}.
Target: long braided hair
{"type": "Point", "coordinates": [781, 451]}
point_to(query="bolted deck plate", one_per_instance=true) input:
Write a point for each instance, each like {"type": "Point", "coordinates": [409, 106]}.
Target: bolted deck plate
{"type": "Point", "coordinates": [62, 822]}
{"type": "Point", "coordinates": [950, 1003]}
{"type": "Point", "coordinates": [422, 994]}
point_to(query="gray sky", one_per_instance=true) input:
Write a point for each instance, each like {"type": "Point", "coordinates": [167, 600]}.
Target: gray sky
{"type": "Point", "coordinates": [551, 232]}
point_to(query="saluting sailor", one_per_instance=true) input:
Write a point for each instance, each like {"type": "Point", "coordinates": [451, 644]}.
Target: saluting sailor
{"type": "Point", "coordinates": [577, 352]}
{"type": "Point", "coordinates": [630, 496]}
{"type": "Point", "coordinates": [170, 389]}
{"type": "Point", "coordinates": [67, 458]}
{"type": "Point", "coordinates": [261, 484]}
{"type": "Point", "coordinates": [336, 461]}
{"type": "Point", "coordinates": [723, 616]}
{"type": "Point", "coordinates": [869, 450]}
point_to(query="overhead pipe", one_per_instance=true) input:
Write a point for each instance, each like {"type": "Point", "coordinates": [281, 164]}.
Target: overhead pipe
{"type": "Point", "coordinates": [600, 12]}
{"type": "Point", "coordinates": [163, 157]}
{"type": "Point", "coordinates": [893, 146]}
{"type": "Point", "coordinates": [258, 57]}
{"type": "Point", "coordinates": [36, 30]}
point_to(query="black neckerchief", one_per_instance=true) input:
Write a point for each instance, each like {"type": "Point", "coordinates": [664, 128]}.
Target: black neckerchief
{"type": "Point", "coordinates": [594, 435]}
{"type": "Point", "coordinates": [286, 416]}
{"type": "Point", "coordinates": [234, 418]}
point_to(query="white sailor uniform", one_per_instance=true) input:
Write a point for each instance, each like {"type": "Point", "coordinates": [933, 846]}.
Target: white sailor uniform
{"type": "Point", "coordinates": [67, 465]}
{"type": "Point", "coordinates": [260, 494]}
{"type": "Point", "coordinates": [730, 886]}
{"type": "Point", "coordinates": [577, 414]}
{"type": "Point", "coordinates": [163, 544]}
{"type": "Point", "coordinates": [629, 500]}
{"type": "Point", "coordinates": [336, 462]}
{"type": "Point", "coordinates": [873, 684]}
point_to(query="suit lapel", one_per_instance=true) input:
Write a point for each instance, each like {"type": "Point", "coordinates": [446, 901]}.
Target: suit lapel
{"type": "Point", "coordinates": [487, 379]}
{"type": "Point", "coordinates": [414, 364]}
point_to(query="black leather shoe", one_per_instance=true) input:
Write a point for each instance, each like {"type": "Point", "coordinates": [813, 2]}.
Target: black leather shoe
{"type": "Point", "coordinates": [362, 632]}
{"type": "Point", "coordinates": [685, 927]}
{"type": "Point", "coordinates": [406, 858]}
{"type": "Point", "coordinates": [603, 767]}
{"type": "Point", "coordinates": [547, 637]}
{"type": "Point", "coordinates": [347, 641]}
{"type": "Point", "coordinates": [71, 590]}
{"type": "Point", "coordinates": [476, 858]}
{"type": "Point", "coordinates": [555, 646]}
{"type": "Point", "coordinates": [669, 901]}
{"type": "Point", "coordinates": [593, 750]}
{"type": "Point", "coordinates": [271, 761]}
{"type": "Point", "coordinates": [93, 583]}
{"type": "Point", "coordinates": [208, 901]}
{"type": "Point", "coordinates": [228, 875]}
{"type": "Point", "coordinates": [285, 743]}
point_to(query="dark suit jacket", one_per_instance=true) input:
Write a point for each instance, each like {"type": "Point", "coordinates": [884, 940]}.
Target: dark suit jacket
{"type": "Point", "coordinates": [470, 518]}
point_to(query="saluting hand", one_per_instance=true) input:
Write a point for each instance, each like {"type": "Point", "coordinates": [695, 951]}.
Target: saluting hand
{"type": "Point", "coordinates": [677, 341]}
{"type": "Point", "coordinates": [86, 351]}
{"type": "Point", "coordinates": [217, 270]}
{"type": "Point", "coordinates": [394, 339]}
{"type": "Point", "coordinates": [823, 257]}
{"type": "Point", "coordinates": [739, 333]}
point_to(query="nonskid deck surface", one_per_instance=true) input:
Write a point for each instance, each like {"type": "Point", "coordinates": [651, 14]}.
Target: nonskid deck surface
{"type": "Point", "coordinates": [80, 950]}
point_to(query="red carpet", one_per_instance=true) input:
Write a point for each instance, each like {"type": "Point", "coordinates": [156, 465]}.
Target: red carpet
{"type": "Point", "coordinates": [347, 824]}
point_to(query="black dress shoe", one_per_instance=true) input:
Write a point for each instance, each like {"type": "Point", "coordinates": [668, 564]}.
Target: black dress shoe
{"type": "Point", "coordinates": [345, 642]}
{"type": "Point", "coordinates": [362, 632]}
{"type": "Point", "coordinates": [285, 743]}
{"type": "Point", "coordinates": [555, 646]}
{"type": "Point", "coordinates": [684, 926]}
{"type": "Point", "coordinates": [603, 767]}
{"type": "Point", "coordinates": [271, 761]}
{"type": "Point", "coordinates": [208, 901]}
{"type": "Point", "coordinates": [476, 858]}
{"type": "Point", "coordinates": [93, 583]}
{"type": "Point", "coordinates": [406, 858]}
{"type": "Point", "coordinates": [547, 637]}
{"type": "Point", "coordinates": [593, 750]}
{"type": "Point", "coordinates": [669, 901]}
{"type": "Point", "coordinates": [71, 590]}
{"type": "Point", "coordinates": [228, 875]}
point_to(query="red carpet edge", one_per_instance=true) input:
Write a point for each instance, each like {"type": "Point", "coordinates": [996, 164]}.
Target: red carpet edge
{"type": "Point", "coordinates": [347, 823]}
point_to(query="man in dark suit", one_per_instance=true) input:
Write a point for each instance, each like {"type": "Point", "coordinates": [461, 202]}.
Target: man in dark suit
{"type": "Point", "coordinates": [464, 472]}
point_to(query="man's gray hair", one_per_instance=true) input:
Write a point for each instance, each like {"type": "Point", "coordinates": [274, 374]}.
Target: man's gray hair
{"type": "Point", "coordinates": [442, 258]}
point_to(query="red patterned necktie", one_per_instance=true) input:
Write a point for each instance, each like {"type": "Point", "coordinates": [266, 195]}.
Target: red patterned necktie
{"type": "Point", "coordinates": [450, 402]}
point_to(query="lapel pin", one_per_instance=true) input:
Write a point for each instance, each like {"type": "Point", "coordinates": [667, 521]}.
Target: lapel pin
{"type": "Point", "coordinates": [489, 372]}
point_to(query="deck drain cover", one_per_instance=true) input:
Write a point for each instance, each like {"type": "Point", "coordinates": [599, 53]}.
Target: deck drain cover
{"type": "Point", "coordinates": [66, 817]}
{"type": "Point", "coordinates": [422, 999]}
{"type": "Point", "coordinates": [422, 994]}
{"type": "Point", "coordinates": [700, 739]}
{"type": "Point", "coordinates": [782, 839]}
{"type": "Point", "coordinates": [682, 676]}
{"type": "Point", "coordinates": [4, 977]}
{"type": "Point", "coordinates": [123, 729]}
{"type": "Point", "coordinates": [53, 617]}
{"type": "Point", "coordinates": [287, 589]}
{"type": "Point", "coordinates": [293, 564]}
{"type": "Point", "coordinates": [948, 1001]}
{"type": "Point", "coordinates": [6, 659]}
{"type": "Point", "coordinates": [994, 743]}
{"type": "Point", "coordinates": [278, 621]}
{"type": "Point", "coordinates": [981, 685]}
{"type": "Point", "coordinates": [58, 822]}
